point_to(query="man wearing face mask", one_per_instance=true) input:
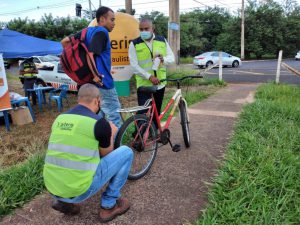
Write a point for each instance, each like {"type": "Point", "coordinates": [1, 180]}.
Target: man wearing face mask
{"type": "Point", "coordinates": [144, 52]}
{"type": "Point", "coordinates": [81, 159]}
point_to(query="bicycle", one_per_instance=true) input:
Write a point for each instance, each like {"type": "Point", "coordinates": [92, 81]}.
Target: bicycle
{"type": "Point", "coordinates": [140, 133]}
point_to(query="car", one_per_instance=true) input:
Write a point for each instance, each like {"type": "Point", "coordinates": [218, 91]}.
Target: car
{"type": "Point", "coordinates": [44, 62]}
{"type": "Point", "coordinates": [54, 77]}
{"type": "Point", "coordinates": [297, 57]}
{"type": "Point", "coordinates": [210, 58]}
{"type": "Point", "coordinates": [6, 64]}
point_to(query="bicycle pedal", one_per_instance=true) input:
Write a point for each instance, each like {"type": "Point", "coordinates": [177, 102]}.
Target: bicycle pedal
{"type": "Point", "coordinates": [176, 148]}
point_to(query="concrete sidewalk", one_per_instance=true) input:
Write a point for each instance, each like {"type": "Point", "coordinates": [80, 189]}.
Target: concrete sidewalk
{"type": "Point", "coordinates": [174, 191]}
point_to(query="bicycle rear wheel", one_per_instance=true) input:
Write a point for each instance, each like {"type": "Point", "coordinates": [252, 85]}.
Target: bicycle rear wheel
{"type": "Point", "coordinates": [184, 123]}
{"type": "Point", "coordinates": [133, 134]}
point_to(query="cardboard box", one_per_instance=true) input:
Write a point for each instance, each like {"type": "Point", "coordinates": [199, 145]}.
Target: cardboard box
{"type": "Point", "coordinates": [21, 115]}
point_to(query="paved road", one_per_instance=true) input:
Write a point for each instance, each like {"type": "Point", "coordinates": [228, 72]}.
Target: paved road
{"type": "Point", "coordinates": [258, 72]}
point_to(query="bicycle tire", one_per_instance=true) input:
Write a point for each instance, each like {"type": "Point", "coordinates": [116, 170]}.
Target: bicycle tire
{"type": "Point", "coordinates": [184, 123]}
{"type": "Point", "coordinates": [127, 136]}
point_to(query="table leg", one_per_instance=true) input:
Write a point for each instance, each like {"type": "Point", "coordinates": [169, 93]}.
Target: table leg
{"type": "Point", "coordinates": [30, 109]}
{"type": "Point", "coordinates": [40, 99]}
{"type": "Point", "coordinates": [6, 120]}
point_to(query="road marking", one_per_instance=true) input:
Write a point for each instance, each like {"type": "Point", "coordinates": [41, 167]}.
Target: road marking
{"type": "Point", "coordinates": [247, 72]}
{"type": "Point", "coordinates": [213, 113]}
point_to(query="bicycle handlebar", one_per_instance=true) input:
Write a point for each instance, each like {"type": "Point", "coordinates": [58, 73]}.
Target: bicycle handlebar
{"type": "Point", "coordinates": [181, 78]}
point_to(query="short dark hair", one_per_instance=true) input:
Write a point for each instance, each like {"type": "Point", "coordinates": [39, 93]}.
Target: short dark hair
{"type": "Point", "coordinates": [102, 11]}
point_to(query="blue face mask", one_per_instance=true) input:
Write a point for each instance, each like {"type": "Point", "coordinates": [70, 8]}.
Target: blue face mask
{"type": "Point", "coordinates": [146, 35]}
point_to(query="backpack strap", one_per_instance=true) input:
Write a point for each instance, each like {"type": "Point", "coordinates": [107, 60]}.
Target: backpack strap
{"type": "Point", "coordinates": [83, 34]}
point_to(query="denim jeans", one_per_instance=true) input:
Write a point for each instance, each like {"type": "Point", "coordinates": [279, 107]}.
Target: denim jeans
{"type": "Point", "coordinates": [110, 105]}
{"type": "Point", "coordinates": [113, 168]}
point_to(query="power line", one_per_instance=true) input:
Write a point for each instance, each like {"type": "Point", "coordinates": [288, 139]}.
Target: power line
{"type": "Point", "coordinates": [200, 3]}
{"type": "Point", "coordinates": [51, 6]}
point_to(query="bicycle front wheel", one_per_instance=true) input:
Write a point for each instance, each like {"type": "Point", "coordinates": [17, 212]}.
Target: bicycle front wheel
{"type": "Point", "coordinates": [133, 133]}
{"type": "Point", "coordinates": [184, 123]}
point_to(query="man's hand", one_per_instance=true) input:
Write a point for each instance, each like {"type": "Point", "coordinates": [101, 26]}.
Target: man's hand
{"type": "Point", "coordinates": [154, 80]}
{"type": "Point", "coordinates": [161, 58]}
{"type": "Point", "coordinates": [114, 129]}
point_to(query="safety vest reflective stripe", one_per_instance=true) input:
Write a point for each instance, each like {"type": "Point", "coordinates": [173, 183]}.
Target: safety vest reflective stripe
{"type": "Point", "coordinates": [73, 150]}
{"type": "Point", "coordinates": [146, 61]}
{"type": "Point", "coordinates": [71, 164]}
{"type": "Point", "coordinates": [148, 69]}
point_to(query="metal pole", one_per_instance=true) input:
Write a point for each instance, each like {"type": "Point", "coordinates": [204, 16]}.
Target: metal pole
{"type": "Point", "coordinates": [243, 31]}
{"type": "Point", "coordinates": [174, 28]}
{"type": "Point", "coordinates": [220, 67]}
{"type": "Point", "coordinates": [128, 5]}
{"type": "Point", "coordinates": [90, 7]}
{"type": "Point", "coordinates": [100, 4]}
{"type": "Point", "coordinates": [278, 67]}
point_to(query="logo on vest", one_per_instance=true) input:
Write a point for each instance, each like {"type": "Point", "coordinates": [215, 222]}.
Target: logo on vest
{"type": "Point", "coordinates": [65, 126]}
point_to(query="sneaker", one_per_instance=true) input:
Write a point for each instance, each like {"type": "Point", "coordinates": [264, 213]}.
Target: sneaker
{"type": "Point", "coordinates": [66, 208]}
{"type": "Point", "coordinates": [120, 208]}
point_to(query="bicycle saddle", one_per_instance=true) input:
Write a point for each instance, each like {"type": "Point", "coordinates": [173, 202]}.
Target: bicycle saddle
{"type": "Point", "coordinates": [150, 90]}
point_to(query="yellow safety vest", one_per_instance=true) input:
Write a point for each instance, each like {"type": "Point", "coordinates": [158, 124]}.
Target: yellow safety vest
{"type": "Point", "coordinates": [145, 59]}
{"type": "Point", "coordinates": [72, 157]}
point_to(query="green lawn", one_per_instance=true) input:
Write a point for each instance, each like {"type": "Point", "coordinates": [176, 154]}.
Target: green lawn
{"type": "Point", "coordinates": [259, 182]}
{"type": "Point", "coordinates": [20, 183]}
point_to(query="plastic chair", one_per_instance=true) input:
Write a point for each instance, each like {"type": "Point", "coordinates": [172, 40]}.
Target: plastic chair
{"type": "Point", "coordinates": [58, 98]}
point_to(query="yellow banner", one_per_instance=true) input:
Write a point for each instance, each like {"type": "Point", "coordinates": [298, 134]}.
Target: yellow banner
{"type": "Point", "coordinates": [4, 94]}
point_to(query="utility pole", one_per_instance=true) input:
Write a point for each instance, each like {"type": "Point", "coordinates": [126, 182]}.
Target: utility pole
{"type": "Point", "coordinates": [100, 4]}
{"type": "Point", "coordinates": [90, 7]}
{"type": "Point", "coordinates": [128, 6]}
{"type": "Point", "coordinates": [243, 31]}
{"type": "Point", "coordinates": [174, 28]}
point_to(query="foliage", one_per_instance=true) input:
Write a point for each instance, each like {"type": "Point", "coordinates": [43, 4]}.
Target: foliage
{"type": "Point", "coordinates": [48, 27]}
{"type": "Point", "coordinates": [257, 184]}
{"type": "Point", "coordinates": [20, 184]}
{"type": "Point", "coordinates": [269, 27]}
{"type": "Point", "coordinates": [124, 11]}
{"type": "Point", "coordinates": [160, 22]}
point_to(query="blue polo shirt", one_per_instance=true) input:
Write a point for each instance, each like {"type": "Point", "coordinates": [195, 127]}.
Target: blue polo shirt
{"type": "Point", "coordinates": [97, 40]}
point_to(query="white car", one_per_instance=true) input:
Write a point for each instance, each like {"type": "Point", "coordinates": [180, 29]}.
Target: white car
{"type": "Point", "coordinates": [44, 62]}
{"type": "Point", "coordinates": [55, 77]}
{"type": "Point", "coordinates": [210, 58]}
{"type": "Point", "coordinates": [297, 57]}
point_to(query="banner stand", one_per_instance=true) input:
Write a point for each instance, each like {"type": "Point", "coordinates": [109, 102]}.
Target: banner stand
{"type": "Point", "coordinates": [4, 93]}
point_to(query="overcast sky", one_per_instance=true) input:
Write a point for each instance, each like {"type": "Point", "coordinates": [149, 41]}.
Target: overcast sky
{"type": "Point", "coordinates": [34, 9]}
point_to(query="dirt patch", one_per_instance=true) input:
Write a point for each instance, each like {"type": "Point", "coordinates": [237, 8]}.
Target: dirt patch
{"type": "Point", "coordinates": [24, 141]}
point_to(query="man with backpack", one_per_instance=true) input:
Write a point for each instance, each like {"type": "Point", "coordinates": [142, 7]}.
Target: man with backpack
{"type": "Point", "coordinates": [98, 43]}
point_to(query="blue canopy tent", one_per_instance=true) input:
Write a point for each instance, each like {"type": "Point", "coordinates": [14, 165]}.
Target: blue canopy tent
{"type": "Point", "coordinates": [17, 45]}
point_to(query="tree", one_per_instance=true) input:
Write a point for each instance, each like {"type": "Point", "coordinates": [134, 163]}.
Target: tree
{"type": "Point", "coordinates": [160, 22]}
{"type": "Point", "coordinates": [124, 11]}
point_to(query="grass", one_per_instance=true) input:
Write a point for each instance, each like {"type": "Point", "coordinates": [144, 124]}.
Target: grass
{"type": "Point", "coordinates": [22, 149]}
{"type": "Point", "coordinates": [186, 60]}
{"type": "Point", "coordinates": [19, 184]}
{"type": "Point", "coordinates": [258, 182]}
{"type": "Point", "coordinates": [10, 76]}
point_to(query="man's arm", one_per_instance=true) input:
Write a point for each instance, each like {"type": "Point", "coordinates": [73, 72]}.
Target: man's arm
{"type": "Point", "coordinates": [169, 58]}
{"type": "Point", "coordinates": [136, 67]}
{"type": "Point", "coordinates": [105, 132]}
{"type": "Point", "coordinates": [104, 151]}
{"type": "Point", "coordinates": [64, 42]}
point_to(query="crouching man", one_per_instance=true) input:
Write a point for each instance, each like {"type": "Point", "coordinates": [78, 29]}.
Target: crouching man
{"type": "Point", "coordinates": [80, 159]}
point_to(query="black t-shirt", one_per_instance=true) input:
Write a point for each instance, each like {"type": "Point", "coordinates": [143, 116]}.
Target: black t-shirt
{"type": "Point", "coordinates": [98, 42]}
{"type": "Point", "coordinates": [102, 129]}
